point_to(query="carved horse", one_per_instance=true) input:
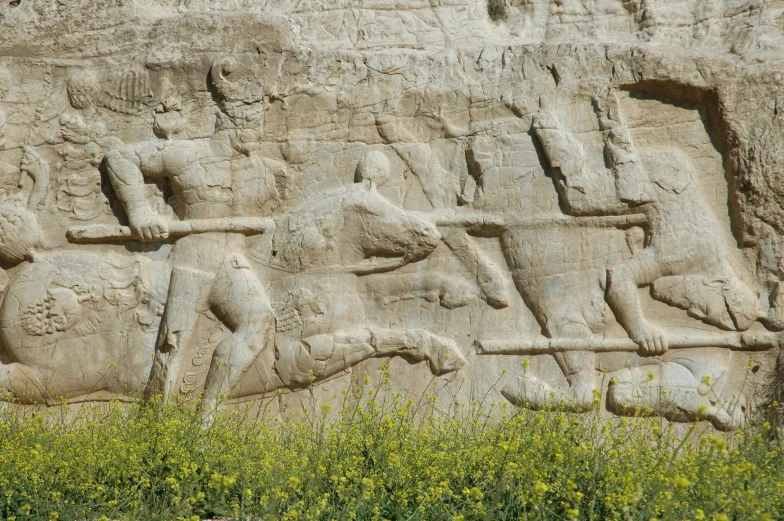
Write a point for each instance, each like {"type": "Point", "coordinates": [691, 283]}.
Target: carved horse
{"type": "Point", "coordinates": [82, 326]}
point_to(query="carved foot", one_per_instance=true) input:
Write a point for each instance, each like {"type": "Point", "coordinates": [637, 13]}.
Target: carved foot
{"type": "Point", "coordinates": [444, 355]}
{"type": "Point", "coordinates": [495, 295]}
{"type": "Point", "coordinates": [533, 393]}
{"type": "Point", "coordinates": [774, 319]}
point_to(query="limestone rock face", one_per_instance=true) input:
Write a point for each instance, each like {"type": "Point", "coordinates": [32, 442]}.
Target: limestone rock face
{"type": "Point", "coordinates": [550, 202]}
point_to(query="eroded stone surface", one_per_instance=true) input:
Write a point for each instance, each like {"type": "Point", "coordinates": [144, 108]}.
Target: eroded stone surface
{"type": "Point", "coordinates": [220, 200]}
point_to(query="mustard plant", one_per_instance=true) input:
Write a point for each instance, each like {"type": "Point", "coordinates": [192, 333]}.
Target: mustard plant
{"type": "Point", "coordinates": [373, 455]}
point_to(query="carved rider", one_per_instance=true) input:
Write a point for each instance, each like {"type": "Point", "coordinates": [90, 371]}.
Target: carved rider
{"type": "Point", "coordinates": [684, 258]}
{"type": "Point", "coordinates": [210, 271]}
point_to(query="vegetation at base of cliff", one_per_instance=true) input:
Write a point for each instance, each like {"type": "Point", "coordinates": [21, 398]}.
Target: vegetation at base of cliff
{"type": "Point", "coordinates": [375, 456]}
{"type": "Point", "coordinates": [497, 10]}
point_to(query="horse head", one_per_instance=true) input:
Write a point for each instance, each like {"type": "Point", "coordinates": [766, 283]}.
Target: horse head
{"type": "Point", "coordinates": [389, 236]}
{"type": "Point", "coordinates": [354, 230]}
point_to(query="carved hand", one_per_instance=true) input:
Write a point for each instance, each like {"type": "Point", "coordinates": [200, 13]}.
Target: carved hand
{"type": "Point", "coordinates": [150, 227]}
{"type": "Point", "coordinates": [32, 162]}
{"type": "Point", "coordinates": [651, 339]}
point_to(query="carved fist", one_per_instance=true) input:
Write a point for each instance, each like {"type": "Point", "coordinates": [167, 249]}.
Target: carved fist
{"type": "Point", "coordinates": [73, 130]}
{"type": "Point", "coordinates": [150, 228]}
{"type": "Point", "coordinates": [651, 339]}
{"type": "Point", "coordinates": [32, 163]}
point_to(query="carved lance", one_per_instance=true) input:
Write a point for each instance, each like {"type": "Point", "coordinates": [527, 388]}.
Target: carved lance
{"type": "Point", "coordinates": [494, 221]}
{"type": "Point", "coordinates": [116, 232]}
{"type": "Point", "coordinates": [258, 225]}
{"type": "Point", "coordinates": [745, 341]}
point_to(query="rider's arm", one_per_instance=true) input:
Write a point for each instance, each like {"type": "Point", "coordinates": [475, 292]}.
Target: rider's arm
{"type": "Point", "coordinates": [124, 167]}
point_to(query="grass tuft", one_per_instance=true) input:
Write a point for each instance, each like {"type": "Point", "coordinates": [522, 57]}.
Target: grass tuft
{"type": "Point", "coordinates": [379, 456]}
{"type": "Point", "coordinates": [497, 10]}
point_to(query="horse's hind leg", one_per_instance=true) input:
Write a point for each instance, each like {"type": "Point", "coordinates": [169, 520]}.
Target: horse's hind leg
{"type": "Point", "coordinates": [21, 384]}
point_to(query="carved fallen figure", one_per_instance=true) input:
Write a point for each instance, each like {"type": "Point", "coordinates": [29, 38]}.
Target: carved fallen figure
{"type": "Point", "coordinates": [683, 260]}
{"type": "Point", "coordinates": [19, 232]}
{"type": "Point", "coordinates": [83, 326]}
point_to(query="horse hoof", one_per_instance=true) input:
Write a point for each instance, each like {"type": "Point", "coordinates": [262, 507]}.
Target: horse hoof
{"type": "Point", "coordinates": [445, 356]}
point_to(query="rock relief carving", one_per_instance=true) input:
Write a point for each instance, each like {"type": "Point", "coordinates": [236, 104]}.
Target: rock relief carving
{"type": "Point", "coordinates": [443, 191]}
{"type": "Point", "coordinates": [431, 286]}
{"type": "Point", "coordinates": [352, 231]}
{"type": "Point", "coordinates": [683, 260]}
{"type": "Point", "coordinates": [80, 137]}
{"type": "Point", "coordinates": [75, 324]}
{"type": "Point", "coordinates": [312, 348]}
{"type": "Point", "coordinates": [261, 292]}
{"type": "Point", "coordinates": [81, 152]}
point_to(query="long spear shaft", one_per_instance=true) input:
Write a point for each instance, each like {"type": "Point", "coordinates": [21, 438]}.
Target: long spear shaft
{"type": "Point", "coordinates": [745, 341]}
{"type": "Point", "coordinates": [116, 232]}
{"type": "Point", "coordinates": [508, 220]}
{"type": "Point", "coordinates": [256, 225]}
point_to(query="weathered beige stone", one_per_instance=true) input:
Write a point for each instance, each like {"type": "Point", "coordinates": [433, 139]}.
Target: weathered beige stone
{"type": "Point", "coordinates": [550, 202]}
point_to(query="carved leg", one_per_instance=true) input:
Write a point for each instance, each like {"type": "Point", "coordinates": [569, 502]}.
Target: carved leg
{"type": "Point", "coordinates": [301, 362]}
{"type": "Point", "coordinates": [321, 356]}
{"type": "Point", "coordinates": [631, 182]}
{"type": "Point", "coordinates": [239, 299]}
{"type": "Point", "coordinates": [774, 318]}
{"type": "Point", "coordinates": [188, 298]}
{"type": "Point", "coordinates": [488, 276]}
{"type": "Point", "coordinates": [623, 280]}
{"type": "Point", "coordinates": [579, 367]}
{"type": "Point", "coordinates": [419, 158]}
{"type": "Point", "coordinates": [561, 315]}
{"type": "Point", "coordinates": [340, 351]}
{"type": "Point", "coordinates": [21, 384]}
{"type": "Point", "coordinates": [442, 354]}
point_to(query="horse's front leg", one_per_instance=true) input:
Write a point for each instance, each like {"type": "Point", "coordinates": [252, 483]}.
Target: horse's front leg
{"type": "Point", "coordinates": [488, 276]}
